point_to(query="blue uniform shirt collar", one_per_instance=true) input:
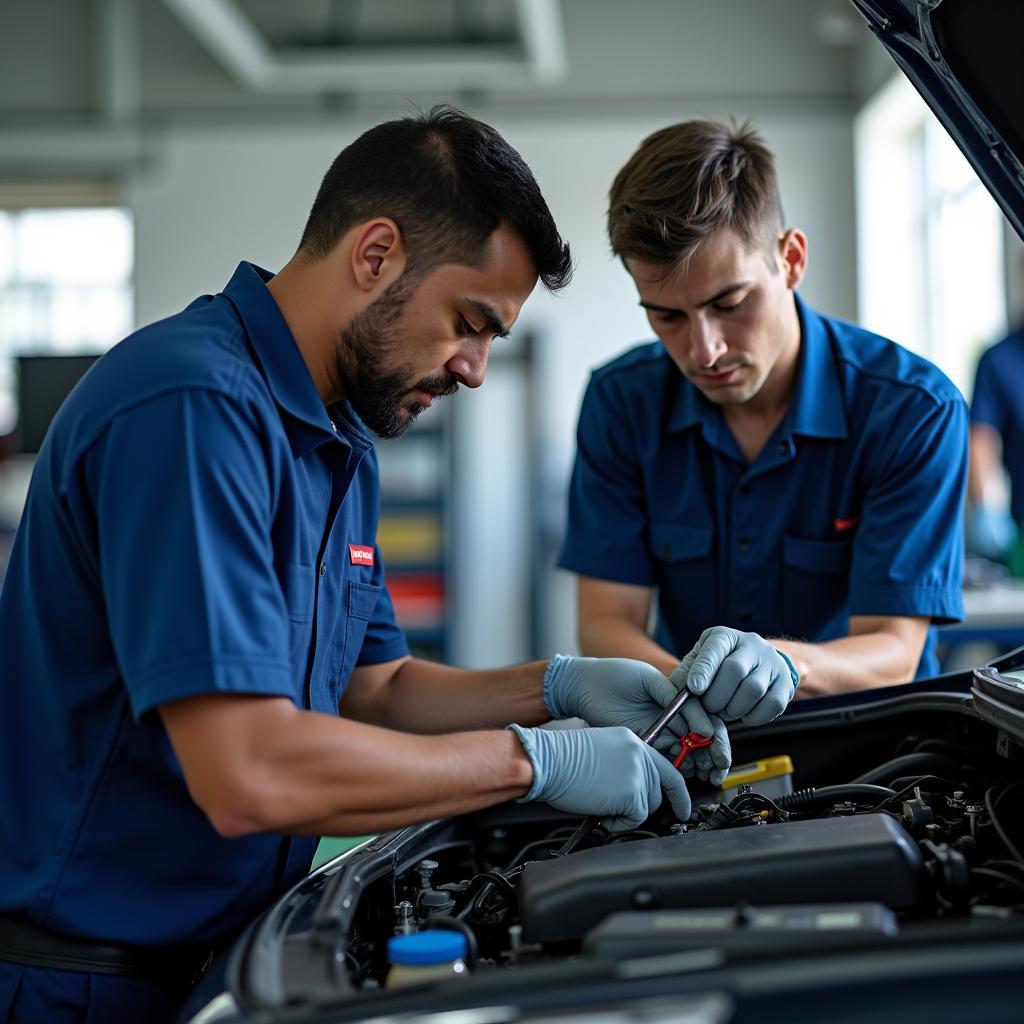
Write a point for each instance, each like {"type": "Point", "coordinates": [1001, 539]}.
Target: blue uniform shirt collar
{"type": "Point", "coordinates": [307, 423]}
{"type": "Point", "coordinates": [816, 409]}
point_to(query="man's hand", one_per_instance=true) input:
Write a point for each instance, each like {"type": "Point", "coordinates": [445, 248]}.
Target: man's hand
{"type": "Point", "coordinates": [621, 691]}
{"type": "Point", "coordinates": [607, 772]}
{"type": "Point", "coordinates": [989, 531]}
{"type": "Point", "coordinates": [739, 676]}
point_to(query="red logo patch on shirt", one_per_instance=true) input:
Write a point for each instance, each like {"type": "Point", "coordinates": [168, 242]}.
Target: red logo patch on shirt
{"type": "Point", "coordinates": [847, 524]}
{"type": "Point", "coordinates": [360, 554]}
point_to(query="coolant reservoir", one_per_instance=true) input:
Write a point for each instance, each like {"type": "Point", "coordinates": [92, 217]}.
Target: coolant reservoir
{"type": "Point", "coordinates": [426, 955]}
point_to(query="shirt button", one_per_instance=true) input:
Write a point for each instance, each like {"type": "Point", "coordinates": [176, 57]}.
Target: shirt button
{"type": "Point", "coordinates": [744, 489]}
{"type": "Point", "coordinates": [323, 568]}
{"type": "Point", "coordinates": [783, 448]}
{"type": "Point", "coordinates": [666, 551]}
{"type": "Point", "coordinates": [744, 617]}
{"type": "Point", "coordinates": [744, 543]}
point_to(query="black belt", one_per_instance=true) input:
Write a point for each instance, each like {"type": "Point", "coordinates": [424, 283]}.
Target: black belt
{"type": "Point", "coordinates": [22, 942]}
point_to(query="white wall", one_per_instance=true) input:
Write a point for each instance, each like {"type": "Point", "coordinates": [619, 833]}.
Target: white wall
{"type": "Point", "coordinates": [213, 196]}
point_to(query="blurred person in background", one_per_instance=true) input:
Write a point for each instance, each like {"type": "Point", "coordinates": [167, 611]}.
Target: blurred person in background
{"type": "Point", "coordinates": [995, 519]}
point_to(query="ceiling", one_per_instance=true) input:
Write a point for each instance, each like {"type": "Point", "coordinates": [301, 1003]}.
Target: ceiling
{"type": "Point", "coordinates": [313, 48]}
{"type": "Point", "coordinates": [147, 60]}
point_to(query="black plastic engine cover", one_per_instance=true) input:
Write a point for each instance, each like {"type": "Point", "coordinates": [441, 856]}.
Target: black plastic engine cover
{"type": "Point", "coordinates": [866, 857]}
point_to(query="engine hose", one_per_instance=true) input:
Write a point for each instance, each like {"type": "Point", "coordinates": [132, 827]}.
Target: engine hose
{"type": "Point", "coordinates": [921, 762]}
{"type": "Point", "coordinates": [807, 799]}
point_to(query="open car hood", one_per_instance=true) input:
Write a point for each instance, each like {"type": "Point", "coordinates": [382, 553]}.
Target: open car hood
{"type": "Point", "coordinates": [964, 57]}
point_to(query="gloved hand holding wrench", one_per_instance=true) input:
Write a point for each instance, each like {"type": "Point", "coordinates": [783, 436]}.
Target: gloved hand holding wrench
{"type": "Point", "coordinates": [621, 691]}
{"type": "Point", "coordinates": [610, 771]}
{"type": "Point", "coordinates": [604, 771]}
{"type": "Point", "coordinates": [691, 740]}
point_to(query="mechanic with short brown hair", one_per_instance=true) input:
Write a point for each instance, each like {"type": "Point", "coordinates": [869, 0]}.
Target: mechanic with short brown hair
{"type": "Point", "coordinates": [761, 470]}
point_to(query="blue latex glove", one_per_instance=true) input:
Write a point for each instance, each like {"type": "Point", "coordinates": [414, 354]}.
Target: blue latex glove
{"type": "Point", "coordinates": [607, 772]}
{"type": "Point", "coordinates": [737, 675]}
{"type": "Point", "coordinates": [621, 691]}
{"type": "Point", "coordinates": [990, 532]}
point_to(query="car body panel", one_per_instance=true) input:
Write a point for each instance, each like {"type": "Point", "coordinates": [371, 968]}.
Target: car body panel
{"type": "Point", "coordinates": [964, 58]}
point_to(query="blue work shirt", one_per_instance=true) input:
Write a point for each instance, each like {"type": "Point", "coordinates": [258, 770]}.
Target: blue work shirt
{"type": "Point", "coordinates": [997, 401]}
{"type": "Point", "coordinates": [852, 507]}
{"type": "Point", "coordinates": [197, 523]}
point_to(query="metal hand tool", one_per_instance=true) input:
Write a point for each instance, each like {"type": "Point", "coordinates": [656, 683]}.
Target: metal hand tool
{"type": "Point", "coordinates": [653, 731]}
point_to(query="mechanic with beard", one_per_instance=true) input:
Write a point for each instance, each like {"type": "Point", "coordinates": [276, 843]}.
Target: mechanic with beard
{"type": "Point", "coordinates": [769, 471]}
{"type": "Point", "coordinates": [203, 670]}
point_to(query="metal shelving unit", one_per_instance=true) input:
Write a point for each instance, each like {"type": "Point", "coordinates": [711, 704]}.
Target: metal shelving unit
{"type": "Point", "coordinates": [414, 530]}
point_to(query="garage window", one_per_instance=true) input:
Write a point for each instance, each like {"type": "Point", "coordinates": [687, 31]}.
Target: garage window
{"type": "Point", "coordinates": [65, 278]}
{"type": "Point", "coordinates": [930, 237]}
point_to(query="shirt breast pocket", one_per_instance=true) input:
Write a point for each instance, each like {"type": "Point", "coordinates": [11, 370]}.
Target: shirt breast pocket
{"type": "Point", "coordinates": [360, 602]}
{"type": "Point", "coordinates": [685, 568]}
{"type": "Point", "coordinates": [815, 587]}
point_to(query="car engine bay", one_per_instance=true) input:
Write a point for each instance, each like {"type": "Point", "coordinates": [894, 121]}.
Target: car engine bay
{"type": "Point", "coordinates": [907, 823]}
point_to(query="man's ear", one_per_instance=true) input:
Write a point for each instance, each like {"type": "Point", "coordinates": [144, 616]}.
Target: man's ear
{"type": "Point", "coordinates": [378, 255]}
{"type": "Point", "coordinates": [793, 256]}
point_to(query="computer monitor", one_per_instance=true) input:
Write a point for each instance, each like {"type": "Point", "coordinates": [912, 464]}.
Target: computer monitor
{"type": "Point", "coordinates": [43, 384]}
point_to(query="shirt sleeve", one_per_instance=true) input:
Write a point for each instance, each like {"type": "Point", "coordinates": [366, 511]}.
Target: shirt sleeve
{"type": "Point", "coordinates": [987, 401]}
{"type": "Point", "coordinates": [183, 498]}
{"type": "Point", "coordinates": [908, 550]}
{"type": "Point", "coordinates": [606, 532]}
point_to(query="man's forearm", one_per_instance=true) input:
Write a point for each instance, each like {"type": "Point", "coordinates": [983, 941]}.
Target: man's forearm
{"type": "Point", "coordinates": [985, 484]}
{"type": "Point", "coordinates": [611, 636]}
{"type": "Point", "coordinates": [309, 773]}
{"type": "Point", "coordinates": [858, 662]}
{"type": "Point", "coordinates": [425, 697]}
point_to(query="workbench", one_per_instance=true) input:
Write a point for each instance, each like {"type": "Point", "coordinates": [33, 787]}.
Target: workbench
{"type": "Point", "coordinates": [993, 616]}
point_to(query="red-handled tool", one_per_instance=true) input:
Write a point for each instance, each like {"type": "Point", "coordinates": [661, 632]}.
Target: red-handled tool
{"type": "Point", "coordinates": [691, 741]}
{"type": "Point", "coordinates": [649, 735]}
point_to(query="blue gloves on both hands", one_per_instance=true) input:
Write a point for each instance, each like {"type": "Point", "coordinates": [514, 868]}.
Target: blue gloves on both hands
{"type": "Point", "coordinates": [620, 691]}
{"type": "Point", "coordinates": [608, 770]}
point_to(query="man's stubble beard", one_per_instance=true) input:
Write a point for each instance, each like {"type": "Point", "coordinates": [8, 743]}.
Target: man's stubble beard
{"type": "Point", "coordinates": [374, 388]}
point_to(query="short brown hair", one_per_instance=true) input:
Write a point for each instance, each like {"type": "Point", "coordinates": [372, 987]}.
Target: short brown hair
{"type": "Point", "coordinates": [687, 181]}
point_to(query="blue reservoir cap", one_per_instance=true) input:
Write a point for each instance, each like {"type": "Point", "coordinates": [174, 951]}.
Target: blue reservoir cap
{"type": "Point", "coordinates": [433, 946]}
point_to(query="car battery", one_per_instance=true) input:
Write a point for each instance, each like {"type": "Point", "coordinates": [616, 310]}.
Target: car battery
{"type": "Point", "coordinates": [771, 777]}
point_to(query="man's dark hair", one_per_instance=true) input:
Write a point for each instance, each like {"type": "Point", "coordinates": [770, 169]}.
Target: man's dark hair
{"type": "Point", "coordinates": [687, 181]}
{"type": "Point", "coordinates": [448, 181]}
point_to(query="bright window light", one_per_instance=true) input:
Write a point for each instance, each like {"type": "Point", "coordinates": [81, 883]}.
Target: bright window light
{"type": "Point", "coordinates": [6, 249]}
{"type": "Point", "coordinates": [77, 248]}
{"type": "Point", "coordinates": [65, 286]}
{"type": "Point", "coordinates": [930, 237]}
